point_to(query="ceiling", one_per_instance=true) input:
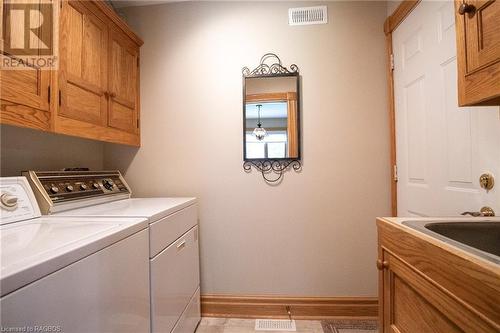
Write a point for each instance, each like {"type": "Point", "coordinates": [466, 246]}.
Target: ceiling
{"type": "Point", "coordinates": [268, 110]}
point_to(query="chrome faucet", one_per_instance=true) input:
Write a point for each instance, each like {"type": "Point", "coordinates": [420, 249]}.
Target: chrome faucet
{"type": "Point", "coordinates": [484, 212]}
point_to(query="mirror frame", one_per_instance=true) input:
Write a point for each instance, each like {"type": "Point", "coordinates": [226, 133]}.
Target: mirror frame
{"type": "Point", "coordinates": [268, 69]}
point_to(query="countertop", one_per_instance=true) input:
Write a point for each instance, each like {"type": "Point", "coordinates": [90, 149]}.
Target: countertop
{"type": "Point", "coordinates": [449, 247]}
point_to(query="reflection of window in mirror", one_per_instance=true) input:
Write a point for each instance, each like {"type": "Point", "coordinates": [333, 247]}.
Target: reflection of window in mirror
{"type": "Point", "coordinates": [273, 146]}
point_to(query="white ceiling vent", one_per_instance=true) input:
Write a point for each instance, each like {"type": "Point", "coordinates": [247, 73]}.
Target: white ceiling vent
{"type": "Point", "coordinates": [308, 15]}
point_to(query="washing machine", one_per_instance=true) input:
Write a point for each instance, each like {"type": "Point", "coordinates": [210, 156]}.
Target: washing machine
{"type": "Point", "coordinates": [173, 236]}
{"type": "Point", "coordinates": [70, 274]}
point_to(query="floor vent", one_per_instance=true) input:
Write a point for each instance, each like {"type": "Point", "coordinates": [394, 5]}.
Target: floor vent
{"type": "Point", "coordinates": [308, 15]}
{"type": "Point", "coordinates": [275, 325]}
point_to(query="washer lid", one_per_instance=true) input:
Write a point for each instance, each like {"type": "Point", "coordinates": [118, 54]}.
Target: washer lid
{"type": "Point", "coordinates": [24, 242]}
{"type": "Point", "coordinates": [35, 248]}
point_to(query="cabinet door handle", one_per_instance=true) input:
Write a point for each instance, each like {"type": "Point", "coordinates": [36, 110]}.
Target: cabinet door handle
{"type": "Point", "coordinates": [465, 8]}
{"type": "Point", "coordinates": [181, 245]}
{"type": "Point", "coordinates": [382, 264]}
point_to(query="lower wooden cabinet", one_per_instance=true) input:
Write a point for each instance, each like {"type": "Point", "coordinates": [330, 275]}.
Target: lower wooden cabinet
{"type": "Point", "coordinates": [425, 289]}
{"type": "Point", "coordinates": [94, 93]}
{"type": "Point", "coordinates": [406, 303]}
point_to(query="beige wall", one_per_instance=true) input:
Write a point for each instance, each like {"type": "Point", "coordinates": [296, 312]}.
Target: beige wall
{"type": "Point", "coordinates": [25, 149]}
{"type": "Point", "coordinates": [314, 234]}
{"type": "Point", "coordinates": [392, 5]}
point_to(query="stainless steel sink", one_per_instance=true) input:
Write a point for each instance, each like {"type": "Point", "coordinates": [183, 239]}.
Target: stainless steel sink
{"type": "Point", "coordinates": [481, 238]}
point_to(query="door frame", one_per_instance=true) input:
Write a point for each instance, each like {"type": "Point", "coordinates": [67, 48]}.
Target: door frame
{"type": "Point", "coordinates": [390, 24]}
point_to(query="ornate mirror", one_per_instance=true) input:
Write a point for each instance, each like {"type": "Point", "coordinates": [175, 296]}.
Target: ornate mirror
{"type": "Point", "coordinates": [271, 118]}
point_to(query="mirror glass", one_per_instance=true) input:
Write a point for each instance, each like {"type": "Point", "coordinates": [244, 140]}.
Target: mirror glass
{"type": "Point", "coordinates": [271, 117]}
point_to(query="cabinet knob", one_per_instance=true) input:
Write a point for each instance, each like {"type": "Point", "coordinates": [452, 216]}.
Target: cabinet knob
{"type": "Point", "coordinates": [382, 264]}
{"type": "Point", "coordinates": [112, 95]}
{"type": "Point", "coordinates": [465, 8]}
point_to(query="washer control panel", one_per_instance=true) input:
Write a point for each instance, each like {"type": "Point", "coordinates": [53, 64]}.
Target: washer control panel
{"type": "Point", "coordinates": [58, 187]}
{"type": "Point", "coordinates": [17, 202]}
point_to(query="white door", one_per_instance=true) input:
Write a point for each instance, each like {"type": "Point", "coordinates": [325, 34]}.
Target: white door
{"type": "Point", "coordinates": [441, 149]}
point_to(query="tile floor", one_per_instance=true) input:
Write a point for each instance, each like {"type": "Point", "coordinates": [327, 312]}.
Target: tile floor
{"type": "Point", "coordinates": [230, 325]}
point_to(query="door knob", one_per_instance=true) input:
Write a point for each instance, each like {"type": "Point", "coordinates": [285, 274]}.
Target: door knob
{"type": "Point", "coordinates": [486, 181]}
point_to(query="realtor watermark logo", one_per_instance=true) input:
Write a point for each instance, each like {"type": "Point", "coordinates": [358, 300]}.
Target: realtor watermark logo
{"type": "Point", "coordinates": [30, 36]}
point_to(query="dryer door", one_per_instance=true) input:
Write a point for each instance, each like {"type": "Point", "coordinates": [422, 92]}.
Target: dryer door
{"type": "Point", "coordinates": [175, 276]}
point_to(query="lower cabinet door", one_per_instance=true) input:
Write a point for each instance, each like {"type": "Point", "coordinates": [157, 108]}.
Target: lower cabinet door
{"type": "Point", "coordinates": [107, 291]}
{"type": "Point", "coordinates": [412, 303]}
{"type": "Point", "coordinates": [410, 312]}
{"type": "Point", "coordinates": [175, 276]}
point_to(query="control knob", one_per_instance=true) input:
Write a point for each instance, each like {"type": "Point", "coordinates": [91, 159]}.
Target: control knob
{"type": "Point", "coordinates": [95, 186]}
{"type": "Point", "coordinates": [54, 189]}
{"type": "Point", "coordinates": [8, 201]}
{"type": "Point", "coordinates": [108, 184]}
{"type": "Point", "coordinates": [69, 188]}
{"type": "Point", "coordinates": [83, 187]}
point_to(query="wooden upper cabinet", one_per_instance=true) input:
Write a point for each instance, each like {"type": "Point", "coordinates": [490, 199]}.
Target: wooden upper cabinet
{"type": "Point", "coordinates": [94, 93]}
{"type": "Point", "coordinates": [99, 75]}
{"type": "Point", "coordinates": [83, 78]}
{"type": "Point", "coordinates": [478, 49]}
{"type": "Point", "coordinates": [24, 93]}
{"type": "Point", "coordinates": [25, 98]}
{"type": "Point", "coordinates": [123, 83]}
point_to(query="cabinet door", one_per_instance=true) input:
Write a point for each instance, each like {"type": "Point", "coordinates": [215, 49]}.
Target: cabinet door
{"type": "Point", "coordinates": [123, 78]}
{"type": "Point", "coordinates": [28, 87]}
{"type": "Point", "coordinates": [406, 310]}
{"type": "Point", "coordinates": [414, 303]}
{"type": "Point", "coordinates": [478, 52]}
{"type": "Point", "coordinates": [83, 68]}
{"type": "Point", "coordinates": [482, 33]}
{"type": "Point", "coordinates": [24, 92]}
